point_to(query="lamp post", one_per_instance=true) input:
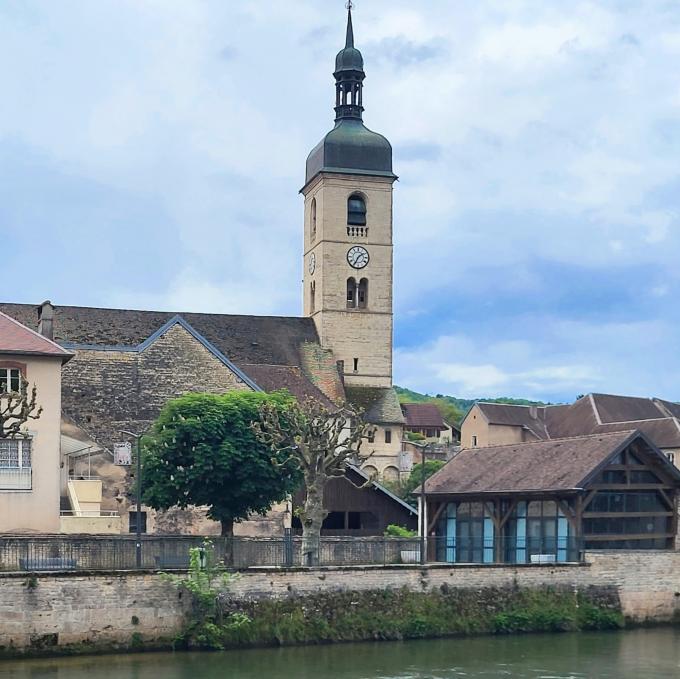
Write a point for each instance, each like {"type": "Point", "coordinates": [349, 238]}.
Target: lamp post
{"type": "Point", "coordinates": [423, 499]}
{"type": "Point", "coordinates": [138, 540]}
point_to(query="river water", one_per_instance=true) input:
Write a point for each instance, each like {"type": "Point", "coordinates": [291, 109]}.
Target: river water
{"type": "Point", "coordinates": [639, 654]}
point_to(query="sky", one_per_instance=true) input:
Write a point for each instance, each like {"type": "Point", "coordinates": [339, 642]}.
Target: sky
{"type": "Point", "coordinates": [151, 154]}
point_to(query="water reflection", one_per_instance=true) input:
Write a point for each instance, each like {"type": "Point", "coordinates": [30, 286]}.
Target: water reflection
{"type": "Point", "coordinates": [642, 654]}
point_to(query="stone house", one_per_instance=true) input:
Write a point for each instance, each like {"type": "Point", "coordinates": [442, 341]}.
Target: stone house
{"type": "Point", "coordinates": [427, 420]}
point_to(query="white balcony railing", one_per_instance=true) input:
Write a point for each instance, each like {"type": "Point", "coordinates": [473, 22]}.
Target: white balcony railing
{"type": "Point", "coordinates": [16, 478]}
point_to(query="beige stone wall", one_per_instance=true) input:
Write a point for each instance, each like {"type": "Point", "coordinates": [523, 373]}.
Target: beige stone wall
{"type": "Point", "coordinates": [101, 609]}
{"type": "Point", "coordinates": [385, 456]}
{"type": "Point", "coordinates": [37, 510]}
{"type": "Point", "coordinates": [365, 334]}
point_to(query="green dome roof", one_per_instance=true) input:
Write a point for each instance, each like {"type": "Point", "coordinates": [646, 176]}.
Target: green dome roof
{"type": "Point", "coordinates": [350, 147]}
{"type": "Point", "coordinates": [349, 59]}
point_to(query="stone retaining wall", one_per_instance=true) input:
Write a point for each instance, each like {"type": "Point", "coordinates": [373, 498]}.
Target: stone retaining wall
{"type": "Point", "coordinates": [98, 611]}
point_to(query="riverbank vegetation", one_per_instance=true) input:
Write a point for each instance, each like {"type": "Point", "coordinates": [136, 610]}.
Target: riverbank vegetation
{"type": "Point", "coordinates": [220, 621]}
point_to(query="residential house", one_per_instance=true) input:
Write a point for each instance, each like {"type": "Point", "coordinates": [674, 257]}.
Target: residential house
{"type": "Point", "coordinates": [426, 419]}
{"type": "Point", "coordinates": [30, 461]}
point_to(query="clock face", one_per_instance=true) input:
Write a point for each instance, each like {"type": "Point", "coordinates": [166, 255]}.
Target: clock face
{"type": "Point", "coordinates": [357, 257]}
{"type": "Point", "coordinates": [312, 263]}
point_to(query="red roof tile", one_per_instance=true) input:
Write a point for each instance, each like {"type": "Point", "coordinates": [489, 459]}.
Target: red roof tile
{"type": "Point", "coordinates": [16, 338]}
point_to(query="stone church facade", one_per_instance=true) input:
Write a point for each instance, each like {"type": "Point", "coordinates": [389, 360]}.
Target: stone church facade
{"type": "Point", "coordinates": [127, 364]}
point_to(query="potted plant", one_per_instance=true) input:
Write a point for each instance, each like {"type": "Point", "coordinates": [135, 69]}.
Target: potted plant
{"type": "Point", "coordinates": [412, 552]}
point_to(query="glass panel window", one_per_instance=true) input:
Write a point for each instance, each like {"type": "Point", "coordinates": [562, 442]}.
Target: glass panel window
{"type": "Point", "coordinates": [643, 476]}
{"type": "Point", "coordinates": [10, 380]}
{"type": "Point", "coordinates": [15, 453]}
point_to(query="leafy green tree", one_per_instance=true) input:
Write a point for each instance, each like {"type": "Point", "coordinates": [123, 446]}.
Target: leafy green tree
{"type": "Point", "coordinates": [415, 477]}
{"type": "Point", "coordinates": [202, 451]}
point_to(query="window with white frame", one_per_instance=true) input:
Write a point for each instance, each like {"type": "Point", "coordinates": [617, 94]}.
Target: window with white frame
{"type": "Point", "coordinates": [15, 464]}
{"type": "Point", "coordinates": [474, 441]}
{"type": "Point", "coordinates": [10, 380]}
{"type": "Point", "coordinates": [15, 453]}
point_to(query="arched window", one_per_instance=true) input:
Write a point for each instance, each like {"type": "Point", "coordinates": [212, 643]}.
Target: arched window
{"type": "Point", "coordinates": [356, 210]}
{"type": "Point", "coordinates": [362, 293]}
{"type": "Point", "coordinates": [370, 471]}
{"type": "Point", "coordinates": [391, 474]}
{"type": "Point", "coordinates": [351, 293]}
{"type": "Point", "coordinates": [313, 221]}
{"type": "Point", "coordinates": [312, 296]}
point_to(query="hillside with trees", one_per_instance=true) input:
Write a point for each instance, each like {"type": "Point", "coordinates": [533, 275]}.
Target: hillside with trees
{"type": "Point", "coordinates": [454, 409]}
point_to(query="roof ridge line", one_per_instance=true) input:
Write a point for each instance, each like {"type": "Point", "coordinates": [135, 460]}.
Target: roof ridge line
{"type": "Point", "coordinates": [563, 438]}
{"type": "Point", "coordinates": [649, 419]}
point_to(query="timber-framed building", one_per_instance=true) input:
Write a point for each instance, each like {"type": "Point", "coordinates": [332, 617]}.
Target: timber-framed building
{"type": "Point", "coordinates": [547, 501]}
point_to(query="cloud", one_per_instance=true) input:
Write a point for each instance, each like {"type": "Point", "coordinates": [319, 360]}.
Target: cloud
{"type": "Point", "coordinates": [152, 154]}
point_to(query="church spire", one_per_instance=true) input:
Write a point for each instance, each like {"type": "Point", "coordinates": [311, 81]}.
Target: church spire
{"type": "Point", "coordinates": [349, 77]}
{"type": "Point", "coordinates": [349, 42]}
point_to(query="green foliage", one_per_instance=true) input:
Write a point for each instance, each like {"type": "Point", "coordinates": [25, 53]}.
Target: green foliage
{"type": "Point", "coordinates": [202, 451]}
{"type": "Point", "coordinates": [399, 531]}
{"type": "Point", "coordinates": [415, 477]}
{"type": "Point", "coordinates": [205, 582]}
{"type": "Point", "coordinates": [414, 436]}
{"type": "Point", "coordinates": [403, 614]}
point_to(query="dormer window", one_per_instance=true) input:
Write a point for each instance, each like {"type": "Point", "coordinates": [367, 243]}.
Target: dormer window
{"type": "Point", "coordinates": [356, 210]}
{"type": "Point", "coordinates": [10, 380]}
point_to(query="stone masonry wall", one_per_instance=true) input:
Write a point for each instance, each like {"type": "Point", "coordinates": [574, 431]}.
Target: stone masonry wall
{"type": "Point", "coordinates": [100, 611]}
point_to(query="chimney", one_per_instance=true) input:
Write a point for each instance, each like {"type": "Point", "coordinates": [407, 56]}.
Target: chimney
{"type": "Point", "coordinates": [341, 370]}
{"type": "Point", "coordinates": [533, 412]}
{"type": "Point", "coordinates": [46, 319]}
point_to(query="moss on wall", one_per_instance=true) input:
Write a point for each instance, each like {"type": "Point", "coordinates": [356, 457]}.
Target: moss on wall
{"type": "Point", "coordinates": [402, 614]}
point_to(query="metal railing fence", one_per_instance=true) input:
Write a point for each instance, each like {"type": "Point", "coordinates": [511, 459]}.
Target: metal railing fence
{"type": "Point", "coordinates": [107, 553]}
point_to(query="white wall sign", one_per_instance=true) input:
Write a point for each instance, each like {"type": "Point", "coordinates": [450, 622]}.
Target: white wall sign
{"type": "Point", "coordinates": [122, 454]}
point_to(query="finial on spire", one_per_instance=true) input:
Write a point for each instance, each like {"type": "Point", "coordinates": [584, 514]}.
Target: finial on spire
{"type": "Point", "coordinates": [349, 42]}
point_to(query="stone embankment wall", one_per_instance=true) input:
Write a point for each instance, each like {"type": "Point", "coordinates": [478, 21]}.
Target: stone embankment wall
{"type": "Point", "coordinates": [98, 611]}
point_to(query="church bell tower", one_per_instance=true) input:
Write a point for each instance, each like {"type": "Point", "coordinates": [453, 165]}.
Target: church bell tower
{"type": "Point", "coordinates": [348, 233]}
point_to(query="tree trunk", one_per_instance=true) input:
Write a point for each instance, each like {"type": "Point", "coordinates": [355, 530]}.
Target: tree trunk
{"type": "Point", "coordinates": [228, 535]}
{"type": "Point", "coordinates": [312, 519]}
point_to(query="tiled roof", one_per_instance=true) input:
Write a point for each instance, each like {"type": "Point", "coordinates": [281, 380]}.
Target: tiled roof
{"type": "Point", "coordinates": [422, 415]}
{"type": "Point", "coordinates": [289, 377]}
{"type": "Point", "coordinates": [556, 465]}
{"type": "Point", "coordinates": [612, 408]}
{"type": "Point", "coordinates": [592, 414]}
{"type": "Point", "coordinates": [380, 404]}
{"type": "Point", "coordinates": [518, 416]}
{"type": "Point", "coordinates": [273, 340]}
{"type": "Point", "coordinates": [16, 338]}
